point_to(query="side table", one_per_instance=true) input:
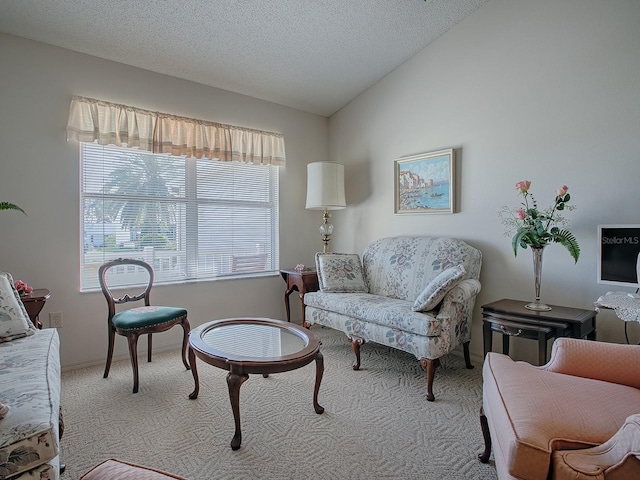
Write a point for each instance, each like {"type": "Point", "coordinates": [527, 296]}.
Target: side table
{"type": "Point", "coordinates": [33, 304]}
{"type": "Point", "coordinates": [511, 319]}
{"type": "Point", "coordinates": [301, 280]}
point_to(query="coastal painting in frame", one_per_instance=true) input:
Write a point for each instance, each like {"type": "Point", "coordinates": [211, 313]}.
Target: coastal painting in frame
{"type": "Point", "coordinates": [425, 183]}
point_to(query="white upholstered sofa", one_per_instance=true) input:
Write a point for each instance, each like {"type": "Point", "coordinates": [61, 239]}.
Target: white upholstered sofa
{"type": "Point", "coordinates": [413, 293]}
{"type": "Point", "coordinates": [30, 424]}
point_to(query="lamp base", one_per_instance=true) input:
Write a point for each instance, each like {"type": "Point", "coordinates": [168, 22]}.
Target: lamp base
{"type": "Point", "coordinates": [326, 229]}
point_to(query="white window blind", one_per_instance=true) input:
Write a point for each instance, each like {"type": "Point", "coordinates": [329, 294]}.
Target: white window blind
{"type": "Point", "coordinates": [191, 219]}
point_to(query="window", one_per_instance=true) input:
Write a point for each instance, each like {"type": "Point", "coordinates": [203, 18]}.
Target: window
{"type": "Point", "coordinates": [191, 219]}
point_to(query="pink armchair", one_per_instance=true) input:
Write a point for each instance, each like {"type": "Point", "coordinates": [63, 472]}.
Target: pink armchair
{"type": "Point", "coordinates": [579, 400]}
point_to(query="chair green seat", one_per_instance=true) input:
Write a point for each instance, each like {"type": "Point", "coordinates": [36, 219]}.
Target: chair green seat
{"type": "Point", "coordinates": [142, 317]}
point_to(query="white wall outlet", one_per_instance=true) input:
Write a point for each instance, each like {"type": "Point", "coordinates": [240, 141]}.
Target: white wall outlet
{"type": "Point", "coordinates": [55, 319]}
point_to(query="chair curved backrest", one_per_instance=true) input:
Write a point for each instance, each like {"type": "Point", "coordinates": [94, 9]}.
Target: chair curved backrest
{"type": "Point", "coordinates": [112, 300]}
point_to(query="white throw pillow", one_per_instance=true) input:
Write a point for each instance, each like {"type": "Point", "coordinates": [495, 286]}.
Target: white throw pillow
{"type": "Point", "coordinates": [340, 272]}
{"type": "Point", "coordinates": [433, 293]}
{"type": "Point", "coordinates": [14, 319]}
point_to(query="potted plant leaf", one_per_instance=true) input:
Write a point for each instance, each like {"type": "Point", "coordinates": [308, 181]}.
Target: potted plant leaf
{"type": "Point", "coordinates": [11, 206]}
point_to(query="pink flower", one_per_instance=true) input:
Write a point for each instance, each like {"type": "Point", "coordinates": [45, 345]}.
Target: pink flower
{"type": "Point", "coordinates": [523, 186]}
{"type": "Point", "coordinates": [521, 214]}
{"type": "Point", "coordinates": [562, 191]}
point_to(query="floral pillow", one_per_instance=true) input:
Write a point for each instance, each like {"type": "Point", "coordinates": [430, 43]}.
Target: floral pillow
{"type": "Point", "coordinates": [14, 320]}
{"type": "Point", "coordinates": [433, 293]}
{"type": "Point", "coordinates": [340, 272]}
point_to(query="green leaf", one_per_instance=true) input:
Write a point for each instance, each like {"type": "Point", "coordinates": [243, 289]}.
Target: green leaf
{"type": "Point", "coordinates": [569, 241]}
{"type": "Point", "coordinates": [10, 206]}
{"type": "Point", "coordinates": [517, 240]}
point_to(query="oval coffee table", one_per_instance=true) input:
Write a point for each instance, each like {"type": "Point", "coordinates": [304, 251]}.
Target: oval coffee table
{"type": "Point", "coordinates": [253, 345]}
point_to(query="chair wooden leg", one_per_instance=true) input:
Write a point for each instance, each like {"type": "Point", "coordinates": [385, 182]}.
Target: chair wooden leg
{"type": "Point", "coordinates": [430, 365]}
{"type": "Point", "coordinates": [467, 357]}
{"type": "Point", "coordinates": [484, 424]}
{"type": "Point", "coordinates": [133, 353]}
{"type": "Point", "coordinates": [112, 335]}
{"type": "Point", "coordinates": [149, 349]}
{"type": "Point", "coordinates": [185, 340]}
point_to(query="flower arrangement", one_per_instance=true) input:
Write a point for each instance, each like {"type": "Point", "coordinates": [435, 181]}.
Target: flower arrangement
{"type": "Point", "coordinates": [22, 287]}
{"type": "Point", "coordinates": [530, 226]}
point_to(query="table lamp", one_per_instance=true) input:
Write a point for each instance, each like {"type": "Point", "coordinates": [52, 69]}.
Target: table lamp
{"type": "Point", "coordinates": [325, 191]}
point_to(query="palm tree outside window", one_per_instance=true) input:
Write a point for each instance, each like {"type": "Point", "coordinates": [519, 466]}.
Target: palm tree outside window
{"type": "Point", "coordinates": [189, 218]}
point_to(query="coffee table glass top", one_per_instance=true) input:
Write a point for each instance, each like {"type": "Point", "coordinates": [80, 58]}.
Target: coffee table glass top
{"type": "Point", "coordinates": [253, 340]}
{"type": "Point", "coordinates": [258, 340]}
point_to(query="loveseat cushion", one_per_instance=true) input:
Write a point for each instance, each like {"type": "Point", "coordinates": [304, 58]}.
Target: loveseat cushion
{"type": "Point", "coordinates": [340, 272]}
{"type": "Point", "coordinates": [385, 311]}
{"type": "Point", "coordinates": [433, 293]}
{"type": "Point", "coordinates": [30, 378]}
{"type": "Point", "coordinates": [533, 412]}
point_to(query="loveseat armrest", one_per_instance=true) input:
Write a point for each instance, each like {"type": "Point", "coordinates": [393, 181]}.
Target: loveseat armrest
{"type": "Point", "coordinates": [463, 291]}
{"type": "Point", "coordinates": [458, 306]}
{"type": "Point", "coordinates": [609, 362]}
{"type": "Point", "coordinates": [619, 457]}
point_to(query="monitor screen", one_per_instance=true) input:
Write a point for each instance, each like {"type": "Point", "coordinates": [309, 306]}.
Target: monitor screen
{"type": "Point", "coordinates": [619, 248]}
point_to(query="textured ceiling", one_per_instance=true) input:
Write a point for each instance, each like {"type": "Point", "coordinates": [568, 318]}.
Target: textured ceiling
{"type": "Point", "coordinates": [312, 55]}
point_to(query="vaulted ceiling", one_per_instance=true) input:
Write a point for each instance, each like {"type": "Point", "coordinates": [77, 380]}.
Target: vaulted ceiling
{"type": "Point", "coordinates": [312, 55]}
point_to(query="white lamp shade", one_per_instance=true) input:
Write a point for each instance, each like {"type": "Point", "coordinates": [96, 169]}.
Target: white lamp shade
{"type": "Point", "coordinates": [325, 186]}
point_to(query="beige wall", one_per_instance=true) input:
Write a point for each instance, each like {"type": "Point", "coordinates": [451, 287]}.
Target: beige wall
{"type": "Point", "coordinates": [39, 172]}
{"type": "Point", "coordinates": [547, 91]}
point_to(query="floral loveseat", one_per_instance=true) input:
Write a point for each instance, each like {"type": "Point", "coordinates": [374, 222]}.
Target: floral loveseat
{"type": "Point", "coordinates": [413, 293]}
{"type": "Point", "coordinates": [29, 392]}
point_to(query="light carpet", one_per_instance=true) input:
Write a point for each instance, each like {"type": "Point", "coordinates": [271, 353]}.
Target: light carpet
{"type": "Point", "coordinates": [377, 422]}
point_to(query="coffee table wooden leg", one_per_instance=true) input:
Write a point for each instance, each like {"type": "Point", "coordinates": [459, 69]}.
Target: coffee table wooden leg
{"type": "Point", "coordinates": [194, 372]}
{"type": "Point", "coordinates": [234, 382]}
{"type": "Point", "coordinates": [316, 389]}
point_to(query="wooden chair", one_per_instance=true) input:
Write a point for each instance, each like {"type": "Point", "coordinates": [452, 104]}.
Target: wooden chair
{"type": "Point", "coordinates": [141, 320]}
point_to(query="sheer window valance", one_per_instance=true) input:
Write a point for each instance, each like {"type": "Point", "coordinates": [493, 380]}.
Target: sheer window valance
{"type": "Point", "coordinates": [107, 123]}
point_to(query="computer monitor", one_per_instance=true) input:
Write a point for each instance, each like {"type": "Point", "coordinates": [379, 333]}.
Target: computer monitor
{"type": "Point", "coordinates": [619, 255]}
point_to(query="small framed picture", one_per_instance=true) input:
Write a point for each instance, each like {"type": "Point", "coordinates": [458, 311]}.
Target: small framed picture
{"type": "Point", "coordinates": [425, 183]}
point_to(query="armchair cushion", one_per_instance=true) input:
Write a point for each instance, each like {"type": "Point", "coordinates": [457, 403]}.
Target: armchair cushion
{"type": "Point", "coordinates": [113, 468]}
{"type": "Point", "coordinates": [437, 288]}
{"type": "Point", "coordinates": [14, 320]}
{"type": "Point", "coordinates": [340, 272]}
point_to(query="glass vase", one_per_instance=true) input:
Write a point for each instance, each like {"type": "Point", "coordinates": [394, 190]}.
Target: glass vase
{"type": "Point", "coordinates": [537, 274]}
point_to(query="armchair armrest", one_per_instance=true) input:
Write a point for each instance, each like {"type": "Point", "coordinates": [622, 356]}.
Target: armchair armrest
{"type": "Point", "coordinates": [610, 362]}
{"type": "Point", "coordinates": [618, 457]}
